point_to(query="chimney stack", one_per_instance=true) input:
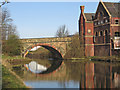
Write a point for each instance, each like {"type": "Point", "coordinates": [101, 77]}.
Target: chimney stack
{"type": "Point", "coordinates": [82, 9]}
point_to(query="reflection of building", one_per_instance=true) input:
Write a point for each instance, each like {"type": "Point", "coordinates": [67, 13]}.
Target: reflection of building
{"type": "Point", "coordinates": [100, 76]}
{"type": "Point", "coordinates": [89, 77]}
{"type": "Point", "coordinates": [101, 30]}
{"type": "Point", "coordinates": [116, 80]}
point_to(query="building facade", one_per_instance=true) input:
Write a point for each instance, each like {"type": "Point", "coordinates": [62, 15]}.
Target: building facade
{"type": "Point", "coordinates": [101, 30]}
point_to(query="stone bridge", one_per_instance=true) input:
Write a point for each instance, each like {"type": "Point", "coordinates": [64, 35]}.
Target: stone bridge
{"type": "Point", "coordinates": [58, 46]}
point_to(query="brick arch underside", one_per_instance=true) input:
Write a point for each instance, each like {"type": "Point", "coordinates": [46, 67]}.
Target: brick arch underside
{"type": "Point", "coordinates": [51, 48]}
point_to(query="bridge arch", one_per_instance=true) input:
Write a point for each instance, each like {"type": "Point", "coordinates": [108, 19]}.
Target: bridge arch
{"type": "Point", "coordinates": [51, 48]}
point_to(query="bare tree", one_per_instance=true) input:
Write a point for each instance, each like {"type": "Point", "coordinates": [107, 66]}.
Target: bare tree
{"type": "Point", "coordinates": [62, 32]}
{"type": "Point", "coordinates": [75, 48]}
{"type": "Point", "coordinates": [7, 27]}
{"type": "Point", "coordinates": [6, 19]}
{"type": "Point", "coordinates": [11, 31]}
{"type": "Point", "coordinates": [11, 44]}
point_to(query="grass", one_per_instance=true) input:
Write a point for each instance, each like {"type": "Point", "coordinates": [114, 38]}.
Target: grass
{"type": "Point", "coordinates": [11, 57]}
{"type": "Point", "coordinates": [9, 80]}
{"type": "Point", "coordinates": [106, 57]}
{"type": "Point", "coordinates": [96, 58]}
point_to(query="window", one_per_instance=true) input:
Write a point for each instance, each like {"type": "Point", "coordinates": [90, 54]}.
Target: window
{"type": "Point", "coordinates": [98, 23]}
{"type": "Point", "coordinates": [101, 33]}
{"type": "Point", "coordinates": [95, 23]}
{"type": "Point", "coordinates": [117, 34]}
{"type": "Point", "coordinates": [106, 20]}
{"type": "Point", "coordinates": [96, 34]}
{"type": "Point", "coordinates": [105, 32]}
{"type": "Point", "coordinates": [101, 22]}
{"type": "Point", "coordinates": [116, 21]}
{"type": "Point", "coordinates": [101, 14]}
{"type": "Point", "coordinates": [89, 31]}
{"type": "Point", "coordinates": [112, 44]}
{"type": "Point", "coordinates": [94, 39]}
{"type": "Point", "coordinates": [106, 36]}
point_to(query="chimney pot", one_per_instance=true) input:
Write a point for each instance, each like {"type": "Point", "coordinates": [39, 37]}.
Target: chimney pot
{"type": "Point", "coordinates": [82, 9]}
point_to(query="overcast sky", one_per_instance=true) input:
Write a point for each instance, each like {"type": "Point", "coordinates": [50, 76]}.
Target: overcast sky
{"type": "Point", "coordinates": [42, 19]}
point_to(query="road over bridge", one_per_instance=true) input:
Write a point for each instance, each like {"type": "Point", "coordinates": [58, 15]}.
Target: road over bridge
{"type": "Point", "coordinates": [58, 46]}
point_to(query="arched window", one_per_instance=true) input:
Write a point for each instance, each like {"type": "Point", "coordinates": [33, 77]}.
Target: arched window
{"type": "Point", "coordinates": [106, 32]}
{"type": "Point", "coordinates": [112, 44]}
{"type": "Point", "coordinates": [106, 36]}
{"type": "Point", "coordinates": [96, 34]}
{"type": "Point", "coordinates": [101, 33]}
{"type": "Point", "coordinates": [100, 15]}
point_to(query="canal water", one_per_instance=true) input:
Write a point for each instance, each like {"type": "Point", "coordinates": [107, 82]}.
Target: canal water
{"type": "Point", "coordinates": [68, 74]}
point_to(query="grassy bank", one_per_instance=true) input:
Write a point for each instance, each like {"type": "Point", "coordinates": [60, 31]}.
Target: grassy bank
{"type": "Point", "coordinates": [110, 59]}
{"type": "Point", "coordinates": [9, 80]}
{"type": "Point", "coordinates": [105, 58]}
{"type": "Point", "coordinates": [12, 57]}
{"type": "Point", "coordinates": [83, 59]}
{"type": "Point", "coordinates": [17, 61]}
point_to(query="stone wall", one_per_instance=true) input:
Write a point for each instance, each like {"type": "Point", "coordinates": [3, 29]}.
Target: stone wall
{"type": "Point", "coordinates": [56, 44]}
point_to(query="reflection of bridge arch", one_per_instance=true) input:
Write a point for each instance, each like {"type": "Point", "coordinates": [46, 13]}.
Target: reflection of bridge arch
{"type": "Point", "coordinates": [51, 48]}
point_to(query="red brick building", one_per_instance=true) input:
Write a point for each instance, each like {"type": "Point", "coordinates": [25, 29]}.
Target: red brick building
{"type": "Point", "coordinates": [101, 30]}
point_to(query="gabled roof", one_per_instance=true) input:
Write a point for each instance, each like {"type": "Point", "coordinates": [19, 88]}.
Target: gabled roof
{"type": "Point", "coordinates": [89, 16]}
{"type": "Point", "coordinates": [113, 8]}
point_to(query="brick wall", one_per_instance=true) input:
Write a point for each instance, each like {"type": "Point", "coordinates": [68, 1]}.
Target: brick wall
{"type": "Point", "coordinates": [102, 50]}
{"type": "Point", "coordinates": [89, 47]}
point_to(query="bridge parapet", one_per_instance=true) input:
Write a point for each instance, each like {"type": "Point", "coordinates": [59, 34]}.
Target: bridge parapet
{"type": "Point", "coordinates": [65, 39]}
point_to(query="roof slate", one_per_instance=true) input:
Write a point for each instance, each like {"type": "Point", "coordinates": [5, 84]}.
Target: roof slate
{"type": "Point", "coordinates": [113, 8]}
{"type": "Point", "coordinates": [89, 16]}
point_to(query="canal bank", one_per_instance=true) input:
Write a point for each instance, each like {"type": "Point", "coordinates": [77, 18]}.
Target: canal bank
{"type": "Point", "coordinates": [112, 59]}
{"type": "Point", "coordinates": [9, 78]}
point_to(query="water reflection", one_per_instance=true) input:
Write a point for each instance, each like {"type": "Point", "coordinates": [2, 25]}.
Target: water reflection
{"type": "Point", "coordinates": [76, 75]}
{"type": "Point", "coordinates": [37, 68]}
{"type": "Point", "coordinates": [34, 67]}
{"type": "Point", "coordinates": [52, 84]}
{"type": "Point", "coordinates": [95, 75]}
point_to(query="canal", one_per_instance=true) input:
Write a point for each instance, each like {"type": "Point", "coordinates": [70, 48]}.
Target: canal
{"type": "Point", "coordinates": [68, 74]}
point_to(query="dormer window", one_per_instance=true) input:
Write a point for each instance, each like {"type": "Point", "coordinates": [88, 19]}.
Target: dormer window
{"type": "Point", "coordinates": [116, 21]}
